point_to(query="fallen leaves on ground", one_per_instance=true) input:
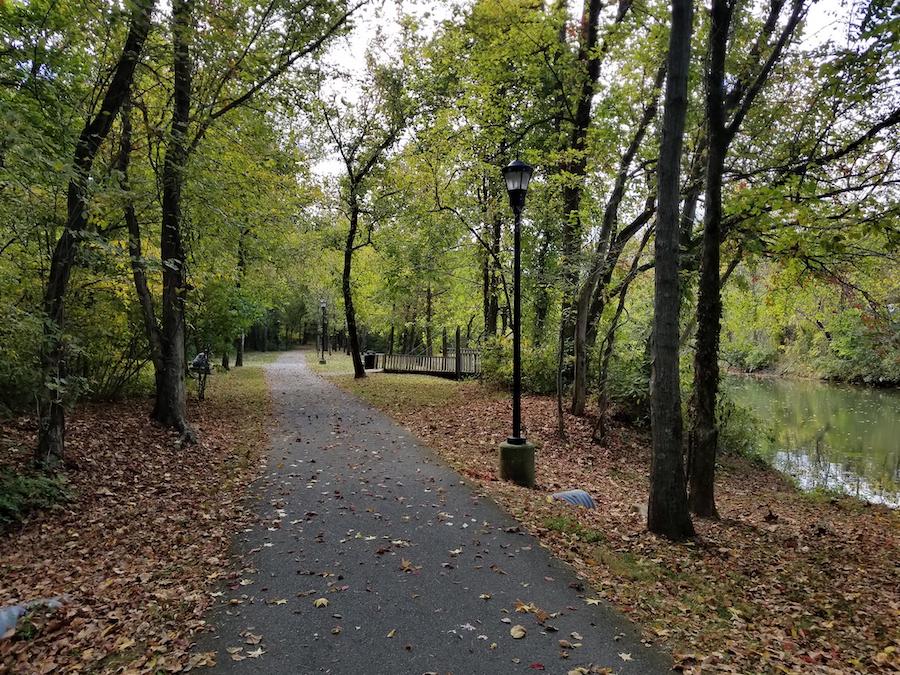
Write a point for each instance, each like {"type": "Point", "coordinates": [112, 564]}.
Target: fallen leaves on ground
{"type": "Point", "coordinates": [408, 567]}
{"type": "Point", "coordinates": [144, 540]}
{"type": "Point", "coordinates": [782, 583]}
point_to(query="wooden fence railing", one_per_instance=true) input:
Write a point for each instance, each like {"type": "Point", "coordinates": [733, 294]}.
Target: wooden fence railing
{"type": "Point", "coordinates": [455, 364]}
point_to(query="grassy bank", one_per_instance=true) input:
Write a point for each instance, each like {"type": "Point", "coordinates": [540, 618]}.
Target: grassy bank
{"type": "Point", "coordinates": [336, 363]}
{"type": "Point", "coordinates": [783, 583]}
{"type": "Point", "coordinates": [143, 537]}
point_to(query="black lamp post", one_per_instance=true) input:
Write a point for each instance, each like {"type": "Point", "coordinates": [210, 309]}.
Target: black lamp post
{"type": "Point", "coordinates": [517, 454]}
{"type": "Point", "coordinates": [324, 331]}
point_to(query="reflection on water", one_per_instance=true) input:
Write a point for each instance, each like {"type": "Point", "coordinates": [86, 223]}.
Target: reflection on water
{"type": "Point", "coordinates": [828, 436]}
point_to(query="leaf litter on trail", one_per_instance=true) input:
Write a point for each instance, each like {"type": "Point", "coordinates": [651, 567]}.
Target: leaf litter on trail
{"type": "Point", "coordinates": [125, 549]}
{"type": "Point", "coordinates": [729, 600]}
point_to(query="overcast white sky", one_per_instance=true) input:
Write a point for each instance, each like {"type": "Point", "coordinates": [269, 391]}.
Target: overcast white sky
{"type": "Point", "coordinates": [825, 20]}
{"type": "Point", "coordinates": [383, 15]}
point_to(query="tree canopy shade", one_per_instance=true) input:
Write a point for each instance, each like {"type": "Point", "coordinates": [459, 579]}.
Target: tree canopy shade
{"type": "Point", "coordinates": [202, 174]}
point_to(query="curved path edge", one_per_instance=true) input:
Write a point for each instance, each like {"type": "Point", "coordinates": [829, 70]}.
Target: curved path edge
{"type": "Point", "coordinates": [421, 574]}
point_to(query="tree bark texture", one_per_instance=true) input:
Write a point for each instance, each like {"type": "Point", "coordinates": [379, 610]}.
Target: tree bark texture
{"type": "Point", "coordinates": [492, 229]}
{"type": "Point", "coordinates": [170, 409]}
{"type": "Point", "coordinates": [667, 509]}
{"type": "Point", "coordinates": [242, 272]}
{"type": "Point", "coordinates": [541, 290]}
{"type": "Point", "coordinates": [703, 436]}
{"type": "Point", "coordinates": [576, 168]}
{"type": "Point", "coordinates": [429, 328]}
{"type": "Point", "coordinates": [51, 434]}
{"type": "Point", "coordinates": [239, 351]}
{"type": "Point", "coordinates": [358, 370]}
{"type": "Point", "coordinates": [590, 53]}
{"type": "Point", "coordinates": [704, 433]}
{"type": "Point", "coordinates": [135, 254]}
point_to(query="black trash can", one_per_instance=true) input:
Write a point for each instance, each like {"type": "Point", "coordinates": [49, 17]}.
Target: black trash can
{"type": "Point", "coordinates": [369, 360]}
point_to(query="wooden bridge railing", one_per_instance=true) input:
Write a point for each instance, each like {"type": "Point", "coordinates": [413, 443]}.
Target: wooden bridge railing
{"type": "Point", "coordinates": [455, 364]}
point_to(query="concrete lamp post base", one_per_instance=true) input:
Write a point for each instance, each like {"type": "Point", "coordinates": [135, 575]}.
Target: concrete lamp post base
{"type": "Point", "coordinates": [517, 463]}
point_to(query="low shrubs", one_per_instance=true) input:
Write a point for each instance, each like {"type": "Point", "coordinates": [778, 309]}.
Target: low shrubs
{"type": "Point", "coordinates": [21, 494]}
{"type": "Point", "coordinates": [538, 365]}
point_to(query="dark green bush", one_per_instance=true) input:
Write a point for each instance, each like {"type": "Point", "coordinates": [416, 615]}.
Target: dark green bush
{"type": "Point", "coordinates": [20, 374]}
{"type": "Point", "coordinates": [740, 431]}
{"type": "Point", "coordinates": [629, 382]}
{"type": "Point", "coordinates": [21, 494]}
{"type": "Point", "coordinates": [538, 365]}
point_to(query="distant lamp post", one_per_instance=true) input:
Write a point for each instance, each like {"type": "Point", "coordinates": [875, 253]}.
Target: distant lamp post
{"type": "Point", "coordinates": [324, 332]}
{"type": "Point", "coordinates": [517, 454]}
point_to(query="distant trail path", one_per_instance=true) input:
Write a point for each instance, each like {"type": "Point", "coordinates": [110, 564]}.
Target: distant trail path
{"type": "Point", "coordinates": [352, 509]}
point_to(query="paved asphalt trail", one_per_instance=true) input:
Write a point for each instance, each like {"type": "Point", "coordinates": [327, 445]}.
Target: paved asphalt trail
{"type": "Point", "coordinates": [347, 496]}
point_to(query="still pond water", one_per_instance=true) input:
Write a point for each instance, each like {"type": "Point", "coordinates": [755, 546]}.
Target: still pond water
{"type": "Point", "coordinates": [837, 437]}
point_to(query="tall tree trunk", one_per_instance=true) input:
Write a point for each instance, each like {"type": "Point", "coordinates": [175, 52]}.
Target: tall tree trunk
{"type": "Point", "coordinates": [358, 370]}
{"type": "Point", "coordinates": [490, 321]}
{"type": "Point", "coordinates": [490, 268]}
{"type": "Point", "coordinates": [589, 301]}
{"type": "Point", "coordinates": [559, 10]}
{"type": "Point", "coordinates": [541, 291]}
{"type": "Point", "coordinates": [496, 233]}
{"type": "Point", "coordinates": [704, 434]}
{"type": "Point", "coordinates": [242, 272]}
{"type": "Point", "coordinates": [606, 347]}
{"type": "Point", "coordinates": [560, 383]}
{"type": "Point", "coordinates": [135, 255]}
{"type": "Point", "coordinates": [170, 407]}
{"type": "Point", "coordinates": [575, 169]}
{"type": "Point", "coordinates": [429, 331]}
{"type": "Point", "coordinates": [590, 56]}
{"type": "Point", "coordinates": [667, 510]}
{"type": "Point", "coordinates": [52, 422]}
